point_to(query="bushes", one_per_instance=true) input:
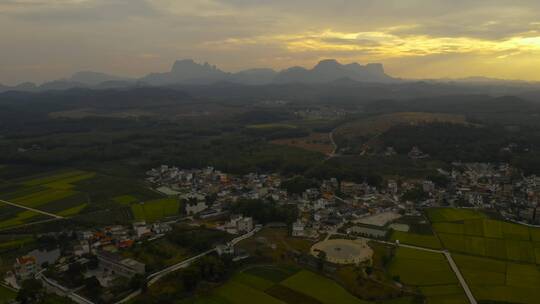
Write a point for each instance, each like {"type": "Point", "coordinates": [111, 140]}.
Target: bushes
{"type": "Point", "coordinates": [197, 239]}
{"type": "Point", "coordinates": [265, 212]}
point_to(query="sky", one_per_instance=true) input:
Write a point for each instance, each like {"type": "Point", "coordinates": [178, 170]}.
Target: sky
{"type": "Point", "coordinates": [43, 40]}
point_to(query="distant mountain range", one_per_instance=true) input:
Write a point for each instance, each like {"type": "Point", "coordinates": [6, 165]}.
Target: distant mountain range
{"type": "Point", "coordinates": [330, 71]}
{"type": "Point", "coordinates": [189, 72]}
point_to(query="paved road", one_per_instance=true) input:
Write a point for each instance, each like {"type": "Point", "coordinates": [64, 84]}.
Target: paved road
{"type": "Point", "coordinates": [32, 209]}
{"type": "Point", "coordinates": [153, 278]}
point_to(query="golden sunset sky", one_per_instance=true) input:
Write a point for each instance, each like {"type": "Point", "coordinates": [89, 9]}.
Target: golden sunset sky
{"type": "Point", "coordinates": [48, 39]}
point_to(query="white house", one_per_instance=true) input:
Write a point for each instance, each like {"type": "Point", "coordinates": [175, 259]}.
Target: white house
{"type": "Point", "coordinates": [298, 229]}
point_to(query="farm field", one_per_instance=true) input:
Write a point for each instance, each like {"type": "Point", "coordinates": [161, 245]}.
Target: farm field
{"type": "Point", "coordinates": [6, 295]}
{"type": "Point", "coordinates": [323, 289]}
{"type": "Point", "coordinates": [11, 216]}
{"type": "Point", "coordinates": [421, 240]}
{"type": "Point", "coordinates": [451, 214]}
{"type": "Point", "coordinates": [51, 192]}
{"type": "Point", "coordinates": [73, 193]}
{"type": "Point", "coordinates": [471, 232]}
{"type": "Point", "coordinates": [317, 142]}
{"type": "Point", "coordinates": [429, 273]}
{"type": "Point", "coordinates": [273, 126]}
{"type": "Point", "coordinates": [363, 130]}
{"type": "Point", "coordinates": [154, 210]}
{"type": "Point", "coordinates": [278, 285]}
{"type": "Point", "coordinates": [125, 199]}
{"type": "Point", "coordinates": [10, 242]}
{"type": "Point", "coordinates": [500, 281]}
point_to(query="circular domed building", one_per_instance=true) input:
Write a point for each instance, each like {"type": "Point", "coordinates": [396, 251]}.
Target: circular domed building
{"type": "Point", "coordinates": [342, 251]}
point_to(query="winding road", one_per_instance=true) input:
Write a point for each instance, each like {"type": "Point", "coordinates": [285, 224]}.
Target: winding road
{"type": "Point", "coordinates": [333, 142]}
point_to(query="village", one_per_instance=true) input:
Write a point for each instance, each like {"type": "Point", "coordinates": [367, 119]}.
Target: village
{"type": "Point", "coordinates": [334, 207]}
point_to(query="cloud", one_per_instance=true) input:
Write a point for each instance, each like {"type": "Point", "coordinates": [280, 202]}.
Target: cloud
{"type": "Point", "coordinates": [135, 37]}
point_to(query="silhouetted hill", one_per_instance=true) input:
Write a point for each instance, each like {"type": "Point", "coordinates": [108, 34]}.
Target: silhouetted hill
{"type": "Point", "coordinates": [187, 71]}
{"type": "Point", "coordinates": [329, 79]}
{"type": "Point", "coordinates": [61, 85]}
{"type": "Point", "coordinates": [330, 70]}
{"type": "Point", "coordinates": [25, 86]}
{"type": "Point", "coordinates": [254, 76]}
{"type": "Point", "coordinates": [94, 78]}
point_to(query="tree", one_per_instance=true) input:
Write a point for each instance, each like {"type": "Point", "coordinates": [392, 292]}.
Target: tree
{"type": "Point", "coordinates": [369, 270]}
{"type": "Point", "coordinates": [321, 260]}
{"type": "Point", "coordinates": [265, 212]}
{"type": "Point", "coordinates": [191, 278]}
{"type": "Point", "coordinates": [298, 184]}
{"type": "Point", "coordinates": [92, 285]}
{"type": "Point", "coordinates": [138, 281]}
{"type": "Point", "coordinates": [416, 194]}
{"type": "Point", "coordinates": [30, 292]}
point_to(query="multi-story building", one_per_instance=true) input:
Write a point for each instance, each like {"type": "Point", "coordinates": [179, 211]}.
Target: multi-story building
{"type": "Point", "coordinates": [25, 267]}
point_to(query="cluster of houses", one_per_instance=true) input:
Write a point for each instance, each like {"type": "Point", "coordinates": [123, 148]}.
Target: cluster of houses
{"type": "Point", "coordinates": [206, 191]}
{"type": "Point", "coordinates": [104, 244]}
{"type": "Point", "coordinates": [344, 206]}
{"type": "Point", "coordinates": [494, 186]}
{"type": "Point", "coordinates": [499, 187]}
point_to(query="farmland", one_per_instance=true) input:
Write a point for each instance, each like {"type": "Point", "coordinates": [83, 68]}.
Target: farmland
{"type": "Point", "coordinates": [496, 280]}
{"type": "Point", "coordinates": [125, 199]}
{"type": "Point", "coordinates": [452, 215]}
{"type": "Point", "coordinates": [364, 130]}
{"type": "Point", "coordinates": [471, 232]}
{"type": "Point", "coordinates": [74, 193]}
{"type": "Point", "coordinates": [6, 295]}
{"type": "Point", "coordinates": [9, 242]}
{"type": "Point", "coordinates": [51, 192]}
{"type": "Point", "coordinates": [422, 240]}
{"type": "Point", "coordinates": [429, 273]}
{"type": "Point", "coordinates": [498, 259]}
{"type": "Point", "coordinates": [324, 290]}
{"type": "Point", "coordinates": [154, 210]}
{"type": "Point", "coordinates": [13, 216]}
{"type": "Point", "coordinates": [273, 126]}
{"type": "Point", "coordinates": [275, 284]}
